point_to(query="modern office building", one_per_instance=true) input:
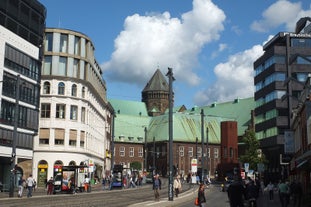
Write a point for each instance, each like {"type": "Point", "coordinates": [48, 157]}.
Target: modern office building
{"type": "Point", "coordinates": [280, 74]}
{"type": "Point", "coordinates": [75, 116]}
{"type": "Point", "coordinates": [22, 24]}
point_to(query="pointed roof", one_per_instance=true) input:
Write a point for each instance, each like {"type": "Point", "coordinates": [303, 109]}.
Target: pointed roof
{"type": "Point", "coordinates": [157, 83]}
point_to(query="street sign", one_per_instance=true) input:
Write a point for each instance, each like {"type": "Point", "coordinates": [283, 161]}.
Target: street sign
{"type": "Point", "coordinates": [194, 165]}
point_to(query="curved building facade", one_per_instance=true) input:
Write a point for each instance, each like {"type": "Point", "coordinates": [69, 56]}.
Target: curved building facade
{"type": "Point", "coordinates": [74, 124]}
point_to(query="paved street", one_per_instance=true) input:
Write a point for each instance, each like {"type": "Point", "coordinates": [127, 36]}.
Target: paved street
{"type": "Point", "coordinates": [134, 197]}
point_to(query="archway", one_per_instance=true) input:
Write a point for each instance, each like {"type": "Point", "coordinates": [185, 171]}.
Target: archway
{"type": "Point", "coordinates": [42, 173]}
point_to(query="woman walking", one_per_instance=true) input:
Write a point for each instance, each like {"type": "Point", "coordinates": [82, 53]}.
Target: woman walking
{"type": "Point", "coordinates": [201, 196]}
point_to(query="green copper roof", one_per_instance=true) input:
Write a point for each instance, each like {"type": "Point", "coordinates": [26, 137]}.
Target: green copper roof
{"type": "Point", "coordinates": [134, 108]}
{"type": "Point", "coordinates": [186, 127]}
{"type": "Point", "coordinates": [238, 110]}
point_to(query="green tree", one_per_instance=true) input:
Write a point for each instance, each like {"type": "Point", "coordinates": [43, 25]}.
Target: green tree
{"type": "Point", "coordinates": [135, 165]}
{"type": "Point", "coordinates": [252, 155]}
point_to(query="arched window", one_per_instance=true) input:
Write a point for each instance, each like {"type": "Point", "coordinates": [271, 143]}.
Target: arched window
{"type": "Point", "coordinates": [83, 92]}
{"type": "Point", "coordinates": [46, 87]}
{"type": "Point", "coordinates": [74, 90]}
{"type": "Point", "coordinates": [72, 162]}
{"type": "Point", "coordinates": [61, 88]}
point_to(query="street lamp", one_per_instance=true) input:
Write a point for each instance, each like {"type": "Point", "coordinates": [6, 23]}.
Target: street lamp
{"type": "Point", "coordinates": [202, 142]}
{"type": "Point", "coordinates": [13, 155]}
{"type": "Point", "coordinates": [170, 129]}
{"type": "Point", "coordinates": [145, 151]}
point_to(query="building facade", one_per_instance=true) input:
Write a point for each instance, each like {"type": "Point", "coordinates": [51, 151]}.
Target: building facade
{"type": "Point", "coordinates": [74, 127]}
{"type": "Point", "coordinates": [22, 24]}
{"type": "Point", "coordinates": [279, 76]}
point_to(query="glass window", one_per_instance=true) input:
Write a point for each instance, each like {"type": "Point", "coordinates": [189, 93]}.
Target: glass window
{"type": "Point", "coordinates": [63, 43]}
{"type": "Point", "coordinates": [131, 152]}
{"type": "Point", "coordinates": [75, 68]}
{"type": "Point", "coordinates": [46, 87]}
{"type": "Point", "coordinates": [60, 111]}
{"type": "Point", "coordinates": [48, 42]}
{"type": "Point", "coordinates": [74, 90]}
{"type": "Point", "coordinates": [199, 153]}
{"type": "Point", "coordinates": [61, 88]}
{"type": "Point", "coordinates": [45, 110]}
{"type": "Point", "coordinates": [140, 152]}
{"type": "Point", "coordinates": [216, 153]}
{"type": "Point", "coordinates": [122, 151]}
{"type": "Point", "coordinates": [77, 46]}
{"type": "Point", "coordinates": [190, 151]}
{"type": "Point", "coordinates": [62, 66]}
{"type": "Point", "coordinates": [83, 114]}
{"type": "Point", "coordinates": [73, 112]}
{"type": "Point", "coordinates": [47, 65]}
{"type": "Point", "coordinates": [83, 92]}
{"type": "Point", "coordinates": [181, 151]}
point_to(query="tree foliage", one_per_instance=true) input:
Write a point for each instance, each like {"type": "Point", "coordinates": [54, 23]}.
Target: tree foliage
{"type": "Point", "coordinates": [253, 154]}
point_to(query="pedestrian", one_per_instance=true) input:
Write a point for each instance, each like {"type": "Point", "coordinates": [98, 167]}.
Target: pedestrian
{"type": "Point", "coordinates": [30, 184]}
{"type": "Point", "coordinates": [201, 196]}
{"type": "Point", "coordinates": [50, 186]}
{"type": "Point", "coordinates": [21, 186]}
{"type": "Point", "coordinates": [252, 192]}
{"type": "Point", "coordinates": [284, 193]}
{"type": "Point", "coordinates": [297, 193]}
{"type": "Point", "coordinates": [86, 183]}
{"type": "Point", "coordinates": [270, 188]}
{"type": "Point", "coordinates": [156, 187]}
{"type": "Point", "coordinates": [177, 185]}
{"type": "Point", "coordinates": [236, 192]}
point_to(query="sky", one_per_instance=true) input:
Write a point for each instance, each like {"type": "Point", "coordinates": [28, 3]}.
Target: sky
{"type": "Point", "coordinates": [210, 45]}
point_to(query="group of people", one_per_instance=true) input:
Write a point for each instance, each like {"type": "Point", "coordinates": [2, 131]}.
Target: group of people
{"type": "Point", "coordinates": [29, 184]}
{"type": "Point", "coordinates": [249, 190]}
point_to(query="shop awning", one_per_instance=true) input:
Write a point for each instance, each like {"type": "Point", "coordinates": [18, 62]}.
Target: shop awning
{"type": "Point", "coordinates": [301, 163]}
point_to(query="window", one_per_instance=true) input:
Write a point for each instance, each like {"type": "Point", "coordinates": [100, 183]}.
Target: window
{"type": "Point", "coordinates": [73, 112]}
{"type": "Point", "coordinates": [62, 66]}
{"type": "Point", "coordinates": [140, 152]}
{"type": "Point", "coordinates": [59, 136]}
{"type": "Point", "coordinates": [77, 46]}
{"type": "Point", "coordinates": [83, 92]}
{"type": "Point", "coordinates": [82, 138]}
{"type": "Point", "coordinates": [47, 65]}
{"type": "Point", "coordinates": [209, 152]}
{"type": "Point", "coordinates": [46, 87]}
{"type": "Point", "coordinates": [181, 151]}
{"type": "Point", "coordinates": [122, 151]}
{"type": "Point", "coordinates": [61, 88]}
{"type": "Point", "coordinates": [83, 114]}
{"type": "Point", "coordinates": [44, 136]}
{"type": "Point", "coordinates": [231, 152]}
{"type": "Point", "coordinates": [60, 111]}
{"type": "Point", "coordinates": [225, 152]}
{"type": "Point", "coordinates": [216, 153]}
{"type": "Point", "coordinates": [190, 151]}
{"type": "Point", "coordinates": [199, 153]}
{"type": "Point", "coordinates": [63, 43]}
{"type": "Point", "coordinates": [45, 110]}
{"type": "Point", "coordinates": [131, 152]}
{"type": "Point", "coordinates": [48, 46]}
{"type": "Point", "coordinates": [74, 90]}
{"type": "Point", "coordinates": [73, 137]}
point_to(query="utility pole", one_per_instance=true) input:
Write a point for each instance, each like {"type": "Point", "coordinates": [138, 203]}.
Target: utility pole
{"type": "Point", "coordinates": [196, 148]}
{"type": "Point", "coordinates": [170, 129]}
{"type": "Point", "coordinates": [202, 143]}
{"type": "Point", "coordinates": [112, 141]}
{"type": "Point", "coordinates": [13, 155]}
{"type": "Point", "coordinates": [146, 152]}
{"type": "Point", "coordinates": [207, 154]}
{"type": "Point", "coordinates": [154, 154]}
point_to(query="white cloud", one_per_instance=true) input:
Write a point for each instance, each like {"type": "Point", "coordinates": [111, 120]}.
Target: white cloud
{"type": "Point", "coordinates": [234, 78]}
{"type": "Point", "coordinates": [159, 39]}
{"type": "Point", "coordinates": [279, 13]}
{"type": "Point", "coordinates": [221, 47]}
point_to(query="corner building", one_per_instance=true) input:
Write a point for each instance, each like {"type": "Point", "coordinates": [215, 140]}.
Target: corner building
{"type": "Point", "coordinates": [280, 74]}
{"type": "Point", "coordinates": [22, 24]}
{"type": "Point", "coordinates": [74, 126]}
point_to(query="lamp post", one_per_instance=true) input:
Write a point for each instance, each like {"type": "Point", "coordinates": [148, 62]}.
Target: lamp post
{"type": "Point", "coordinates": [202, 142]}
{"type": "Point", "coordinates": [196, 148]}
{"type": "Point", "coordinates": [154, 154]}
{"type": "Point", "coordinates": [13, 155]}
{"type": "Point", "coordinates": [207, 152]}
{"type": "Point", "coordinates": [145, 151]}
{"type": "Point", "coordinates": [112, 141]}
{"type": "Point", "coordinates": [170, 129]}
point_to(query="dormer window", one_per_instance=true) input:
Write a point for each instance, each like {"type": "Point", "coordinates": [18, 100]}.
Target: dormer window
{"type": "Point", "coordinates": [121, 138]}
{"type": "Point", "coordinates": [131, 139]}
{"type": "Point", "coordinates": [140, 139]}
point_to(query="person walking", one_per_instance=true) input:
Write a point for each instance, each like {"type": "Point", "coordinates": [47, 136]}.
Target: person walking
{"type": "Point", "coordinates": [201, 196]}
{"type": "Point", "coordinates": [30, 184]}
{"type": "Point", "coordinates": [270, 188]}
{"type": "Point", "coordinates": [236, 192]}
{"type": "Point", "coordinates": [252, 192]}
{"type": "Point", "coordinates": [156, 187]}
{"type": "Point", "coordinates": [296, 189]}
{"type": "Point", "coordinates": [177, 185]}
{"type": "Point", "coordinates": [21, 186]}
{"type": "Point", "coordinates": [283, 192]}
{"type": "Point", "coordinates": [50, 186]}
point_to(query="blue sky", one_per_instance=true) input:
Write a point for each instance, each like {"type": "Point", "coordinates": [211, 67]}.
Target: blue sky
{"type": "Point", "coordinates": [211, 45]}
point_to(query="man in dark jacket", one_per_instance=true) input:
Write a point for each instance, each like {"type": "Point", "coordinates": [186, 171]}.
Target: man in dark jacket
{"type": "Point", "coordinates": [252, 192]}
{"type": "Point", "coordinates": [236, 191]}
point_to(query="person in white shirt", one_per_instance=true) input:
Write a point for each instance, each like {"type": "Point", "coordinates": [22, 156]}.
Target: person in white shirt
{"type": "Point", "coordinates": [30, 184]}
